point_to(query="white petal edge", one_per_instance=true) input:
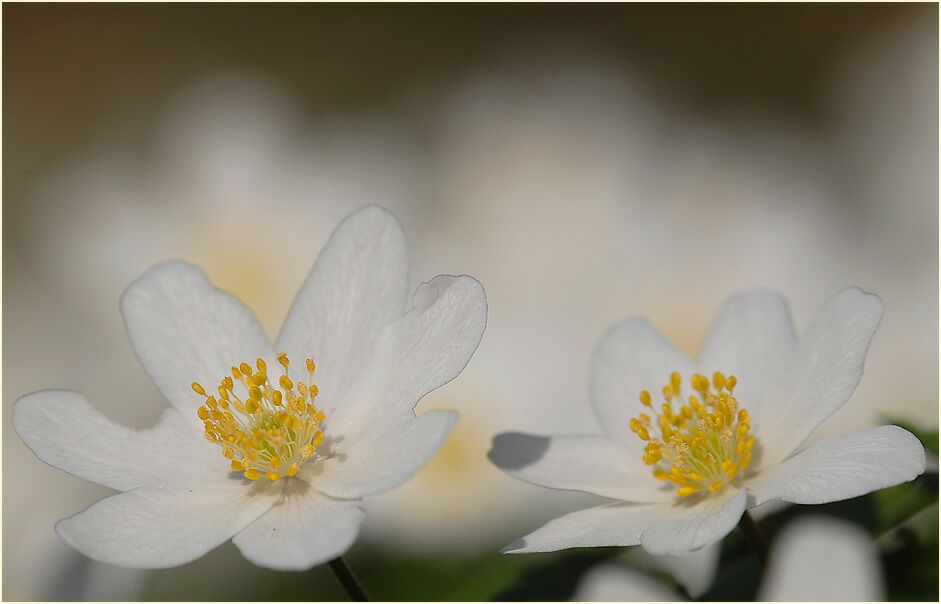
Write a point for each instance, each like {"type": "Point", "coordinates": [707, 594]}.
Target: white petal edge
{"type": "Point", "coordinates": [424, 350]}
{"type": "Point", "coordinates": [357, 286]}
{"type": "Point", "coordinates": [820, 559]}
{"type": "Point", "coordinates": [752, 337]}
{"type": "Point", "coordinates": [842, 467]}
{"type": "Point", "coordinates": [66, 432]}
{"type": "Point", "coordinates": [161, 527]}
{"type": "Point", "coordinates": [692, 526]}
{"type": "Point", "coordinates": [185, 330]}
{"type": "Point", "coordinates": [619, 524]}
{"type": "Point", "coordinates": [617, 583]}
{"type": "Point", "coordinates": [381, 460]}
{"type": "Point", "coordinates": [303, 529]}
{"type": "Point", "coordinates": [694, 570]}
{"type": "Point", "coordinates": [594, 464]}
{"type": "Point", "coordinates": [631, 356]}
{"type": "Point", "coordinates": [825, 368]}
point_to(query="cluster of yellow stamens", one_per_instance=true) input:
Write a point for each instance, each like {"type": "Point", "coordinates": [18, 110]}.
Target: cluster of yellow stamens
{"type": "Point", "coordinates": [704, 444]}
{"type": "Point", "coordinates": [267, 432]}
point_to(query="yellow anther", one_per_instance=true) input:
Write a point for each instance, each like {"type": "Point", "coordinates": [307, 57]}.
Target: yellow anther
{"type": "Point", "coordinates": [273, 476]}
{"type": "Point", "coordinates": [199, 389]}
{"type": "Point", "coordinates": [261, 365]}
{"type": "Point", "coordinates": [742, 430]}
{"type": "Point", "coordinates": [716, 486]}
{"type": "Point", "coordinates": [293, 469]}
{"type": "Point", "coordinates": [667, 392]}
{"type": "Point", "coordinates": [283, 359]}
{"type": "Point", "coordinates": [276, 398]}
{"type": "Point", "coordinates": [694, 476]}
{"type": "Point", "coordinates": [245, 369]}
{"type": "Point", "coordinates": [718, 380]}
{"type": "Point", "coordinates": [307, 450]}
{"type": "Point", "coordinates": [275, 463]}
{"type": "Point", "coordinates": [252, 474]}
{"type": "Point", "coordinates": [227, 380]}
{"type": "Point", "coordinates": [259, 378]}
{"type": "Point", "coordinates": [310, 366]}
{"type": "Point", "coordinates": [228, 452]}
{"type": "Point", "coordinates": [686, 412]}
{"type": "Point", "coordinates": [237, 465]}
{"type": "Point", "coordinates": [314, 390]}
{"type": "Point", "coordinates": [746, 459]}
{"type": "Point", "coordinates": [730, 383]}
{"type": "Point", "coordinates": [645, 398]}
{"type": "Point", "coordinates": [729, 467]}
{"type": "Point", "coordinates": [686, 491]}
{"type": "Point", "coordinates": [676, 381]}
{"type": "Point", "coordinates": [223, 393]}
{"type": "Point", "coordinates": [251, 406]}
{"type": "Point", "coordinates": [203, 413]}
{"type": "Point", "coordinates": [743, 416]}
{"type": "Point", "coordinates": [286, 382]}
{"type": "Point", "coordinates": [317, 439]}
{"type": "Point", "coordinates": [660, 474]}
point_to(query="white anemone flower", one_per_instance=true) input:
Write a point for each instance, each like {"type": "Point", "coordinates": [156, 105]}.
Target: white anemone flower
{"type": "Point", "coordinates": [815, 559]}
{"type": "Point", "coordinates": [282, 474]}
{"type": "Point", "coordinates": [685, 470]}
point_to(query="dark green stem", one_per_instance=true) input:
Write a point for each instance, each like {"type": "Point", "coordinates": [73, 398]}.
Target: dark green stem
{"type": "Point", "coordinates": [756, 539]}
{"type": "Point", "coordinates": [347, 580]}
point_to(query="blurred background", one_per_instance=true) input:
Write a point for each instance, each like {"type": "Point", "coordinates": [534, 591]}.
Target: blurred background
{"type": "Point", "coordinates": [586, 163]}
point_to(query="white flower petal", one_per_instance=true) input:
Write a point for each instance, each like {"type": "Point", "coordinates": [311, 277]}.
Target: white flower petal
{"type": "Point", "coordinates": [696, 525]}
{"type": "Point", "coordinates": [825, 368]}
{"type": "Point", "coordinates": [842, 467]}
{"type": "Point", "coordinates": [66, 432]}
{"type": "Point", "coordinates": [631, 356]}
{"type": "Point", "coordinates": [693, 570]}
{"type": "Point", "coordinates": [422, 351]}
{"type": "Point", "coordinates": [617, 524]}
{"type": "Point", "coordinates": [303, 529]}
{"type": "Point", "coordinates": [358, 285]}
{"type": "Point", "coordinates": [381, 460]}
{"type": "Point", "coordinates": [184, 330]}
{"type": "Point", "coordinates": [617, 583]}
{"type": "Point", "coordinates": [752, 337]}
{"type": "Point", "coordinates": [820, 559]}
{"type": "Point", "coordinates": [160, 527]}
{"type": "Point", "coordinates": [595, 464]}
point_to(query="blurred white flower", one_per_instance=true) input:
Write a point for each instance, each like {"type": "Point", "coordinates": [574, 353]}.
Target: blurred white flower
{"type": "Point", "coordinates": [529, 174]}
{"type": "Point", "coordinates": [885, 159]}
{"type": "Point", "coordinates": [378, 355]}
{"type": "Point", "coordinates": [814, 559]}
{"type": "Point", "coordinates": [716, 453]}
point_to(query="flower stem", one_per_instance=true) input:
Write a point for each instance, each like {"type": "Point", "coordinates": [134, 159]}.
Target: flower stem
{"type": "Point", "coordinates": [347, 580]}
{"type": "Point", "coordinates": [756, 539]}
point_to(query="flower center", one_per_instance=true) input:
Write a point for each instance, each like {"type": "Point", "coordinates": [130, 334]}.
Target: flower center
{"type": "Point", "coordinates": [704, 444]}
{"type": "Point", "coordinates": [268, 431]}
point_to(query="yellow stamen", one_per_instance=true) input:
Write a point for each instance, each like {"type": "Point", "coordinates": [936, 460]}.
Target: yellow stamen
{"type": "Point", "coordinates": [260, 435]}
{"type": "Point", "coordinates": [702, 446]}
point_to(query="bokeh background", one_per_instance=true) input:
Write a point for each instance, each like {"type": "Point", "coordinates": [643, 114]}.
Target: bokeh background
{"type": "Point", "coordinates": [586, 163]}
